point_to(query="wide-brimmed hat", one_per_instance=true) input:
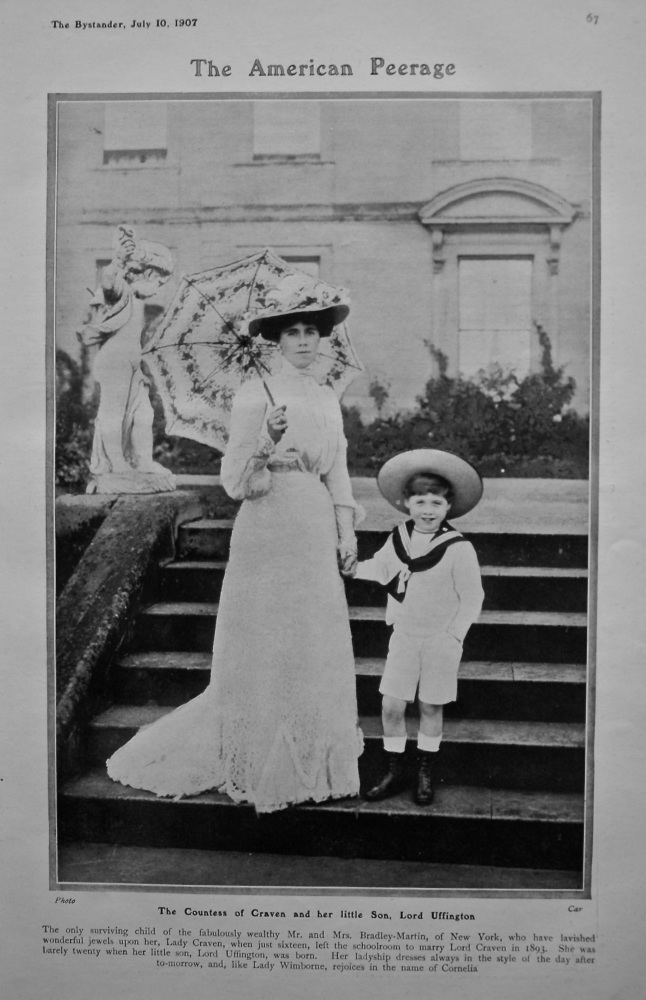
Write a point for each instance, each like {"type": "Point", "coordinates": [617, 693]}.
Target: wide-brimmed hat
{"type": "Point", "coordinates": [299, 292]}
{"type": "Point", "coordinates": [271, 327]}
{"type": "Point", "coordinates": [466, 482]}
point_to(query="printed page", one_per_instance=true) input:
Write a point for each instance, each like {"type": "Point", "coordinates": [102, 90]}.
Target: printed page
{"type": "Point", "coordinates": [469, 178]}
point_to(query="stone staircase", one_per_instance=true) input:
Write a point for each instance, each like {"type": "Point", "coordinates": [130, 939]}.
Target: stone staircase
{"type": "Point", "coordinates": [509, 809]}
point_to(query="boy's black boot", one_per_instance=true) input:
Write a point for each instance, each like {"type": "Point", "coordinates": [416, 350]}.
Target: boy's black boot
{"type": "Point", "coordinates": [424, 793]}
{"type": "Point", "coordinates": [394, 781]}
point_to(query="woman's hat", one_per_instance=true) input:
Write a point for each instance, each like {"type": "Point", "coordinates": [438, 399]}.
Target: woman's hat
{"type": "Point", "coordinates": [299, 292]}
{"type": "Point", "coordinates": [465, 481]}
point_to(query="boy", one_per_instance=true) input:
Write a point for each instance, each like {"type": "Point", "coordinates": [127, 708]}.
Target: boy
{"type": "Point", "coordinates": [434, 596]}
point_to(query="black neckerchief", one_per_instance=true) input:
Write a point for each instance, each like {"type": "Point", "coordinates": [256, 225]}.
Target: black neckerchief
{"type": "Point", "coordinates": [445, 536]}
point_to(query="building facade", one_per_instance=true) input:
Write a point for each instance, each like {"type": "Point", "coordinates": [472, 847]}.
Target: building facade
{"type": "Point", "coordinates": [460, 223]}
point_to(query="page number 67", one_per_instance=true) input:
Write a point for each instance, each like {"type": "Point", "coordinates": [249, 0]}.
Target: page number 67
{"type": "Point", "coordinates": [592, 18]}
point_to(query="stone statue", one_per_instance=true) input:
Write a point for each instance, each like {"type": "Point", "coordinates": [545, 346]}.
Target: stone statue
{"type": "Point", "coordinates": [122, 450]}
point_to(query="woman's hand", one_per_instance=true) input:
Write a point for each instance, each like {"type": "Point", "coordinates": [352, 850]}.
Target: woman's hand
{"type": "Point", "coordinates": [347, 558]}
{"type": "Point", "coordinates": [277, 424]}
{"type": "Point", "coordinates": [346, 549]}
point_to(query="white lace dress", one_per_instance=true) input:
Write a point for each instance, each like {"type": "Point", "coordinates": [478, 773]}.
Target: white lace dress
{"type": "Point", "coordinates": [278, 723]}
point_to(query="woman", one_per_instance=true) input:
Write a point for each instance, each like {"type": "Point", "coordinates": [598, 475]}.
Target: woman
{"type": "Point", "coordinates": [278, 723]}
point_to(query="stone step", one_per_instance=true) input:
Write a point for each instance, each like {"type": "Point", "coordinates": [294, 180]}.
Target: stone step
{"type": "Point", "coordinates": [512, 587]}
{"type": "Point", "coordinates": [83, 862]}
{"type": "Point", "coordinates": [494, 753]}
{"type": "Point", "coordinates": [509, 807]}
{"type": "Point", "coordinates": [465, 825]}
{"type": "Point", "coordinates": [209, 539]}
{"type": "Point", "coordinates": [547, 692]}
{"type": "Point", "coordinates": [521, 636]}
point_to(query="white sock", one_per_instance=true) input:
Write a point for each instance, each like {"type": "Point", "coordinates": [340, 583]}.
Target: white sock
{"type": "Point", "coordinates": [395, 744]}
{"type": "Point", "coordinates": [429, 743]}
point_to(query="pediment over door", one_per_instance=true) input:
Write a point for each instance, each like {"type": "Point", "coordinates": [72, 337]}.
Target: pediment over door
{"type": "Point", "coordinates": [497, 202]}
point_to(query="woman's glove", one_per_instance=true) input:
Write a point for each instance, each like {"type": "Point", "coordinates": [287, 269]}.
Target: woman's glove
{"type": "Point", "coordinates": [347, 544]}
{"type": "Point", "coordinates": [277, 423]}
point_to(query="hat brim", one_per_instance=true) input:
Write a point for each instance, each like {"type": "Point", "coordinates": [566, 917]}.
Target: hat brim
{"type": "Point", "coordinates": [337, 312]}
{"type": "Point", "coordinates": [465, 480]}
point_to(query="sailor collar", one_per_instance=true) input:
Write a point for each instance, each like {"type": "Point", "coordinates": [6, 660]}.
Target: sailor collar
{"type": "Point", "coordinates": [445, 536]}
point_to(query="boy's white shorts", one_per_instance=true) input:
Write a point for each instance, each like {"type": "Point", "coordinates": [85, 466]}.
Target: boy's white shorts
{"type": "Point", "coordinates": [428, 661]}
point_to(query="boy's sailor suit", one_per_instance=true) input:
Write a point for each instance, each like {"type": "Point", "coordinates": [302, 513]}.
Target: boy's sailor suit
{"type": "Point", "coordinates": [434, 596]}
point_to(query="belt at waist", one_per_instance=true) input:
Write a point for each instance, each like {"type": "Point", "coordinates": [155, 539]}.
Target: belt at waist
{"type": "Point", "coordinates": [291, 468]}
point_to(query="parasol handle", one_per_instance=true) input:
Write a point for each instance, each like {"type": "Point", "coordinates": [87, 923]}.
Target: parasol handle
{"type": "Point", "coordinates": [267, 390]}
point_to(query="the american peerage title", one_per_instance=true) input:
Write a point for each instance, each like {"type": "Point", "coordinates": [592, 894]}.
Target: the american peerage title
{"type": "Point", "coordinates": [378, 66]}
{"type": "Point", "coordinates": [202, 66]}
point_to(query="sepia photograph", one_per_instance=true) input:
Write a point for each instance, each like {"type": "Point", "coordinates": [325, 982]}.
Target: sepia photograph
{"type": "Point", "coordinates": [323, 445]}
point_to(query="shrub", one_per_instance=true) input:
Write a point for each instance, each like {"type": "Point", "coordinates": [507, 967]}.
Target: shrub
{"type": "Point", "coordinates": [502, 424]}
{"type": "Point", "coordinates": [74, 427]}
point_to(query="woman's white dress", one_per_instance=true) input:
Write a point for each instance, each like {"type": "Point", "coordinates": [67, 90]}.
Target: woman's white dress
{"type": "Point", "coordinates": [278, 722]}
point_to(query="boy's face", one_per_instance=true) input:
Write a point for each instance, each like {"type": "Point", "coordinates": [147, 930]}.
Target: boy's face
{"type": "Point", "coordinates": [427, 510]}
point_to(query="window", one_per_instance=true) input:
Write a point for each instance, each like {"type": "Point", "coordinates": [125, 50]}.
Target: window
{"type": "Point", "coordinates": [495, 130]}
{"type": "Point", "coordinates": [286, 129]}
{"type": "Point", "coordinates": [496, 249]}
{"type": "Point", "coordinates": [135, 133]}
{"type": "Point", "coordinates": [310, 264]}
{"type": "Point", "coordinates": [495, 313]}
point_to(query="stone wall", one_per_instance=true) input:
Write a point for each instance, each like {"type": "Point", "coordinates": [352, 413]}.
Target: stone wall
{"type": "Point", "coordinates": [356, 206]}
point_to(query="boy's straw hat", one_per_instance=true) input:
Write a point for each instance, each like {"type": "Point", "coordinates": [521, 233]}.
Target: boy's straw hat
{"type": "Point", "coordinates": [464, 479]}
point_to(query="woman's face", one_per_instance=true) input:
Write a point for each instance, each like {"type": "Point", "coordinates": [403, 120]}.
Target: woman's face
{"type": "Point", "coordinates": [299, 343]}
